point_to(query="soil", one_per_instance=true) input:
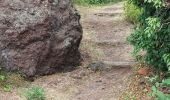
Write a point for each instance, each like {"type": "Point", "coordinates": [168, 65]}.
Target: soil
{"type": "Point", "coordinates": [105, 33]}
{"type": "Point", "coordinates": [107, 28]}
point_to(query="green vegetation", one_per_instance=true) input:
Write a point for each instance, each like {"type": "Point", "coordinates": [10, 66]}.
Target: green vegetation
{"type": "Point", "coordinates": [94, 2]}
{"type": "Point", "coordinates": [4, 84]}
{"type": "Point", "coordinates": [132, 12]}
{"type": "Point", "coordinates": [8, 80]}
{"type": "Point", "coordinates": [35, 93]}
{"type": "Point", "coordinates": [160, 89]}
{"type": "Point", "coordinates": [152, 35]}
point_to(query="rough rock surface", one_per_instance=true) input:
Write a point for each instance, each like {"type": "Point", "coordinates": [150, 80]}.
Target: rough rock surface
{"type": "Point", "coordinates": [38, 36]}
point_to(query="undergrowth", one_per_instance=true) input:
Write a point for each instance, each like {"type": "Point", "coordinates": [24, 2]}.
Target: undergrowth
{"type": "Point", "coordinates": [132, 12]}
{"type": "Point", "coordinates": [152, 35]}
{"type": "Point", "coordinates": [35, 93]}
{"type": "Point", "coordinates": [4, 84]}
{"type": "Point", "coordinates": [9, 80]}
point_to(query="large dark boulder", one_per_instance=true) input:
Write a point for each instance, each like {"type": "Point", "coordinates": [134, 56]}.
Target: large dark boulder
{"type": "Point", "coordinates": [39, 36]}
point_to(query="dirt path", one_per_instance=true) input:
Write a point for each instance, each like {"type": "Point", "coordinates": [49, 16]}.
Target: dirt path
{"type": "Point", "coordinates": [107, 28]}
{"type": "Point", "coordinates": [105, 32]}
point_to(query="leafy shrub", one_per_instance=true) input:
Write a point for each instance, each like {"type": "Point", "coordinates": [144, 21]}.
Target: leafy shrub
{"type": "Point", "coordinates": [153, 33]}
{"type": "Point", "coordinates": [132, 12]}
{"type": "Point", "coordinates": [35, 93]}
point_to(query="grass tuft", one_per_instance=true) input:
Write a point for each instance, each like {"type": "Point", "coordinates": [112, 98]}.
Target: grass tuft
{"type": "Point", "coordinates": [35, 93]}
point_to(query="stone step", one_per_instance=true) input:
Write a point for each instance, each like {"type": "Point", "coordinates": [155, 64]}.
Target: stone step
{"type": "Point", "coordinates": [120, 64]}
{"type": "Point", "coordinates": [107, 42]}
{"type": "Point", "coordinates": [109, 65]}
{"type": "Point", "coordinates": [108, 14]}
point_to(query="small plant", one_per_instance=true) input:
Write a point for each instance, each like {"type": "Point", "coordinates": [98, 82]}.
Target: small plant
{"type": "Point", "coordinates": [2, 77]}
{"type": "Point", "coordinates": [161, 90]}
{"type": "Point", "coordinates": [35, 93]}
{"type": "Point", "coordinates": [130, 97]}
{"type": "Point", "coordinates": [4, 84]}
{"type": "Point", "coordinates": [7, 88]}
{"type": "Point", "coordinates": [132, 12]}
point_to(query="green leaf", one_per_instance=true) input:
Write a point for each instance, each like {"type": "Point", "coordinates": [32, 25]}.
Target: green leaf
{"type": "Point", "coordinates": [7, 88]}
{"type": "Point", "coordinates": [166, 82]}
{"type": "Point", "coordinates": [161, 95]}
{"type": "Point", "coordinates": [154, 89]}
{"type": "Point", "coordinates": [2, 78]}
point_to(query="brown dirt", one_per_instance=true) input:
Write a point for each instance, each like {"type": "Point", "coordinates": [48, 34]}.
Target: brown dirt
{"type": "Point", "coordinates": [105, 32]}
{"type": "Point", "coordinates": [107, 28]}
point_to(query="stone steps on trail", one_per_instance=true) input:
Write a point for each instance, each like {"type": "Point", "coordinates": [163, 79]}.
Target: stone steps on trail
{"type": "Point", "coordinates": [110, 65]}
{"type": "Point", "coordinates": [114, 50]}
{"type": "Point", "coordinates": [120, 64]}
{"type": "Point", "coordinates": [117, 53]}
{"type": "Point", "coordinates": [108, 42]}
{"type": "Point", "coordinates": [108, 14]}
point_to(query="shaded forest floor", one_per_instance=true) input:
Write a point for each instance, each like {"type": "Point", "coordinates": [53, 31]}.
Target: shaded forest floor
{"type": "Point", "coordinates": [103, 45]}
